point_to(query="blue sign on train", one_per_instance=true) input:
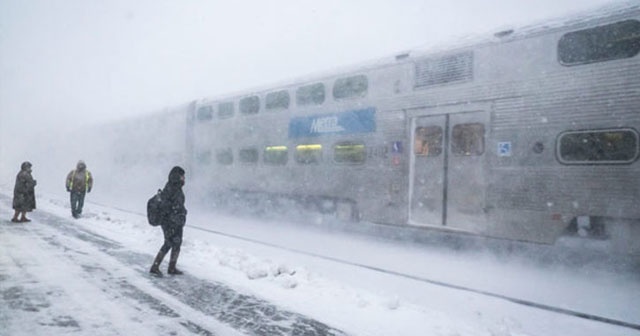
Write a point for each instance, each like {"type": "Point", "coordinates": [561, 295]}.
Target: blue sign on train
{"type": "Point", "coordinates": [355, 121]}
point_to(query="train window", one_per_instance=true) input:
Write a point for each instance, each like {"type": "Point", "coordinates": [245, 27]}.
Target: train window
{"type": "Point", "coordinates": [250, 105]}
{"type": "Point", "coordinates": [310, 94]}
{"type": "Point", "coordinates": [248, 155]}
{"type": "Point", "coordinates": [467, 139]}
{"type": "Point", "coordinates": [276, 155]}
{"type": "Point", "coordinates": [349, 152]}
{"type": "Point", "coordinates": [599, 44]}
{"type": "Point", "coordinates": [354, 86]}
{"type": "Point", "coordinates": [204, 113]}
{"type": "Point", "coordinates": [204, 157]}
{"type": "Point", "coordinates": [225, 110]}
{"type": "Point", "coordinates": [278, 100]}
{"type": "Point", "coordinates": [308, 154]}
{"type": "Point", "coordinates": [224, 156]}
{"type": "Point", "coordinates": [598, 146]}
{"type": "Point", "coordinates": [428, 141]}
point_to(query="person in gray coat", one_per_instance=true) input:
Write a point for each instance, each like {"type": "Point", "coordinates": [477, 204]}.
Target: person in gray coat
{"type": "Point", "coordinates": [24, 197]}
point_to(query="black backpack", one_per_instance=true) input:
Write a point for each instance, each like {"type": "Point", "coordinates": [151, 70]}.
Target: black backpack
{"type": "Point", "coordinates": [154, 209]}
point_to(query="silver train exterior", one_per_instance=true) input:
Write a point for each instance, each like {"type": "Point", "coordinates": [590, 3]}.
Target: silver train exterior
{"type": "Point", "coordinates": [526, 135]}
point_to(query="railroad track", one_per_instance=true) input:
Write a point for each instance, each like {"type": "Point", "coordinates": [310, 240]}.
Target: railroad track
{"type": "Point", "coordinates": [528, 303]}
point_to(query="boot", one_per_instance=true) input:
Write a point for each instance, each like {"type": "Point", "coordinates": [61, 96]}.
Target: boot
{"type": "Point", "coordinates": [155, 268]}
{"type": "Point", "coordinates": [172, 262]}
{"type": "Point", "coordinates": [23, 218]}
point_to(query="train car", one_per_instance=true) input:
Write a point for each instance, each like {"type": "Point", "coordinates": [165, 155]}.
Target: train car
{"type": "Point", "coordinates": [528, 134]}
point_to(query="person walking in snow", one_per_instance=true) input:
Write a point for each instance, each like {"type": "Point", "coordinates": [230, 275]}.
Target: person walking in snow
{"type": "Point", "coordinates": [79, 182]}
{"type": "Point", "coordinates": [173, 219]}
{"type": "Point", "coordinates": [24, 197]}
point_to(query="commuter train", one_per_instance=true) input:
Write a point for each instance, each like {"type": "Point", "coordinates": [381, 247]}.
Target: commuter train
{"type": "Point", "coordinates": [527, 134]}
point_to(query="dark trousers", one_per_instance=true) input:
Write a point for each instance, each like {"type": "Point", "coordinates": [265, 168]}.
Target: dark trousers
{"type": "Point", "coordinates": [77, 202]}
{"type": "Point", "coordinates": [172, 238]}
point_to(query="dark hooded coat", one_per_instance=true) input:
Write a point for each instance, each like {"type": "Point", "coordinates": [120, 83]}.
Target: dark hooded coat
{"type": "Point", "coordinates": [24, 197]}
{"type": "Point", "coordinates": [174, 212]}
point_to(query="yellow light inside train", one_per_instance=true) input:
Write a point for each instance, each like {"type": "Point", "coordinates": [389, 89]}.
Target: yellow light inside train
{"type": "Point", "coordinates": [355, 146]}
{"type": "Point", "coordinates": [309, 147]}
{"type": "Point", "coordinates": [276, 148]}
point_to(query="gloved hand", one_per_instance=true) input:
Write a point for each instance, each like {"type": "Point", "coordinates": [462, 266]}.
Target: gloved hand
{"type": "Point", "coordinates": [89, 190]}
{"type": "Point", "coordinates": [68, 189]}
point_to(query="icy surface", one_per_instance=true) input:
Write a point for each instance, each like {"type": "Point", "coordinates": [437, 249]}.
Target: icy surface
{"type": "Point", "coordinates": [89, 277]}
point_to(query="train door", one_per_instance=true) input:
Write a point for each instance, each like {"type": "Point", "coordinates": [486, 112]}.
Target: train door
{"type": "Point", "coordinates": [426, 188]}
{"type": "Point", "coordinates": [447, 174]}
{"type": "Point", "coordinates": [466, 181]}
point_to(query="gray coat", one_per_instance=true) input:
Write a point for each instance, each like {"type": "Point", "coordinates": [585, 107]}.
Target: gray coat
{"type": "Point", "coordinates": [24, 198]}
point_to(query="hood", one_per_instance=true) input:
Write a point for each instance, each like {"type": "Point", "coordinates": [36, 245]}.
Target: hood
{"type": "Point", "coordinates": [26, 166]}
{"type": "Point", "coordinates": [81, 165]}
{"type": "Point", "coordinates": [176, 174]}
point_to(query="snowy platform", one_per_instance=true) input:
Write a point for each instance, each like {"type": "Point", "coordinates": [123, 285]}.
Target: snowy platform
{"type": "Point", "coordinates": [272, 277]}
{"type": "Point", "coordinates": [59, 278]}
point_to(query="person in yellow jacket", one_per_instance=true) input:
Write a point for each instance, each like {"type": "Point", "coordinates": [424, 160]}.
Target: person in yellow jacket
{"type": "Point", "coordinates": [79, 182]}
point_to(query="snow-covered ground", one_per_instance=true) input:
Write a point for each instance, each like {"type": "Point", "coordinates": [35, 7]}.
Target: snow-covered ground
{"type": "Point", "coordinates": [60, 276]}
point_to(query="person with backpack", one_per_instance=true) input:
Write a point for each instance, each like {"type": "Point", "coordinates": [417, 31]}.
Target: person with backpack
{"type": "Point", "coordinates": [79, 182]}
{"type": "Point", "coordinates": [172, 218]}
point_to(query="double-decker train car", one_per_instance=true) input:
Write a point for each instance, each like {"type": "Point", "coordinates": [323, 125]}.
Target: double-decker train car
{"type": "Point", "coordinates": [525, 135]}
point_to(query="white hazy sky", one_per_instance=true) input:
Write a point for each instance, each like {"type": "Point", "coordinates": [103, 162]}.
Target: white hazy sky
{"type": "Point", "coordinates": [68, 63]}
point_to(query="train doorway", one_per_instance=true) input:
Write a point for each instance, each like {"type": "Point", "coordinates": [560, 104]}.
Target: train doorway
{"type": "Point", "coordinates": [427, 184]}
{"type": "Point", "coordinates": [447, 168]}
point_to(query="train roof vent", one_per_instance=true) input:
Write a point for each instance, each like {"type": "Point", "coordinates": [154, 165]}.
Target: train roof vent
{"type": "Point", "coordinates": [402, 56]}
{"type": "Point", "coordinates": [442, 70]}
{"type": "Point", "coordinates": [503, 33]}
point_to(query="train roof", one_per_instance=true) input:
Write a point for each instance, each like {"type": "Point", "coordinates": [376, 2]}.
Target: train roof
{"type": "Point", "coordinates": [576, 20]}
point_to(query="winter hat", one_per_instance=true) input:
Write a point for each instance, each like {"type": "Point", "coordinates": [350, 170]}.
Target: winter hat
{"type": "Point", "coordinates": [81, 165]}
{"type": "Point", "coordinates": [25, 165]}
